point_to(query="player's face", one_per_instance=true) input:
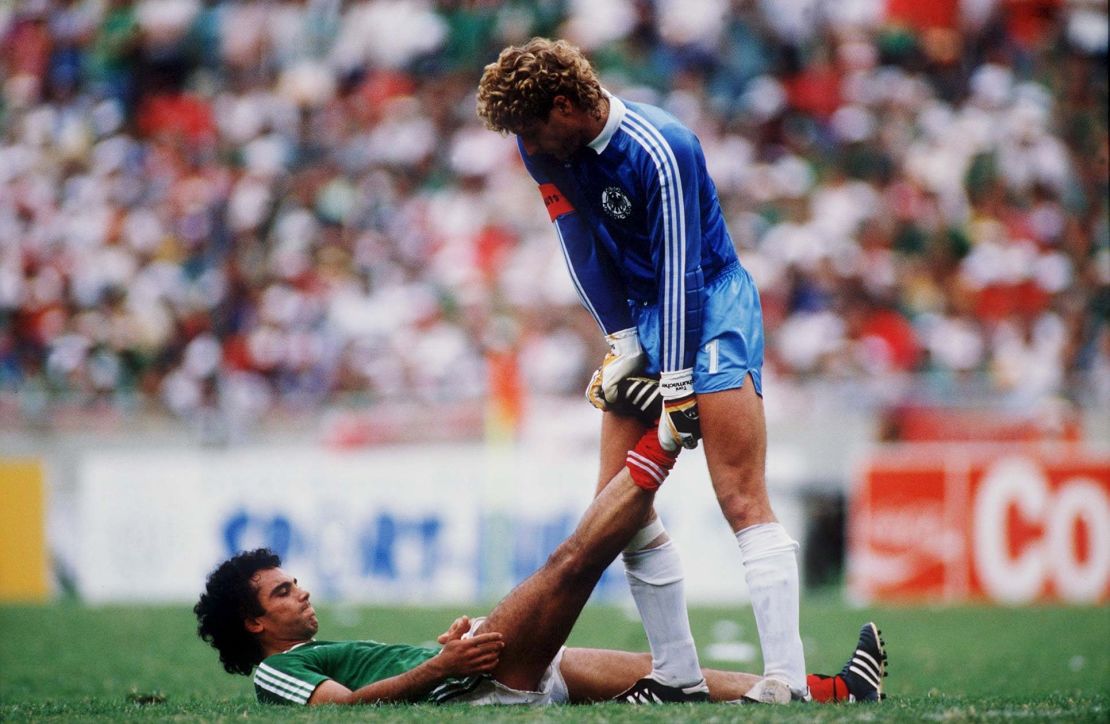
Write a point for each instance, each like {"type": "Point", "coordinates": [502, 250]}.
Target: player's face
{"type": "Point", "coordinates": [288, 614]}
{"type": "Point", "coordinates": [564, 131]}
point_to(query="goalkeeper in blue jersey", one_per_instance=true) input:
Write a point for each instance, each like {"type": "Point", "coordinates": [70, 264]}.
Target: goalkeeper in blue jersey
{"type": "Point", "coordinates": [644, 238]}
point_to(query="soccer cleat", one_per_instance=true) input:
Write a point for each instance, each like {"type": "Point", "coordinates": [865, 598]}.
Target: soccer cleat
{"type": "Point", "coordinates": [864, 672]}
{"type": "Point", "coordinates": [769, 690]}
{"type": "Point", "coordinates": [649, 691]}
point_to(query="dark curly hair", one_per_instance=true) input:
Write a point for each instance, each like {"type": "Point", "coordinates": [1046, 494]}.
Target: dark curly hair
{"type": "Point", "coordinates": [229, 599]}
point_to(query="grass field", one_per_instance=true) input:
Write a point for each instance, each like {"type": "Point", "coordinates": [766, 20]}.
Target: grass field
{"type": "Point", "coordinates": [73, 663]}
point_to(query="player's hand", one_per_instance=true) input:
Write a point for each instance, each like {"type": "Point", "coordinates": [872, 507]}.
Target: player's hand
{"type": "Point", "coordinates": [478, 654]}
{"type": "Point", "coordinates": [456, 630]}
{"type": "Point", "coordinates": [678, 425]}
{"type": "Point", "coordinates": [638, 397]}
{"type": "Point", "coordinates": [625, 357]}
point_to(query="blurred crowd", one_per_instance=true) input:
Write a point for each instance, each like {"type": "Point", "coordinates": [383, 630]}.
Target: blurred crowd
{"type": "Point", "coordinates": [253, 206]}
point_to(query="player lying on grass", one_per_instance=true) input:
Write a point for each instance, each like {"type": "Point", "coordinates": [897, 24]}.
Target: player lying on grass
{"type": "Point", "coordinates": [256, 615]}
{"type": "Point", "coordinates": [277, 629]}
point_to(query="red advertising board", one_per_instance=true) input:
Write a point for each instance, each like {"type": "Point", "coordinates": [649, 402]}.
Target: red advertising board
{"type": "Point", "coordinates": [952, 522]}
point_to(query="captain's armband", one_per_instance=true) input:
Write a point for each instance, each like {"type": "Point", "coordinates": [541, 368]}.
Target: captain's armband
{"type": "Point", "coordinates": [556, 203]}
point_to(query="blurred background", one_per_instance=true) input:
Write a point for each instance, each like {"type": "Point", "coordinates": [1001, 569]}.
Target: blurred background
{"type": "Point", "coordinates": [266, 279]}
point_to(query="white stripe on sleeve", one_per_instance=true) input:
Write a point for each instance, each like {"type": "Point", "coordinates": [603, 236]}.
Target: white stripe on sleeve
{"type": "Point", "coordinates": [674, 238]}
{"type": "Point", "coordinates": [282, 684]}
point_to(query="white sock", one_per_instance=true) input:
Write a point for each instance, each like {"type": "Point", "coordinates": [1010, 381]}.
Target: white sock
{"type": "Point", "coordinates": [771, 570]}
{"type": "Point", "coordinates": [656, 579]}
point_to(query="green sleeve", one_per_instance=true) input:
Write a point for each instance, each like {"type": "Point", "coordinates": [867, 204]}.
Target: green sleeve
{"type": "Point", "coordinates": [287, 679]}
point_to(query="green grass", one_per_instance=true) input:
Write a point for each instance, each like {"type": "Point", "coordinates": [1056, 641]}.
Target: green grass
{"type": "Point", "coordinates": [74, 663]}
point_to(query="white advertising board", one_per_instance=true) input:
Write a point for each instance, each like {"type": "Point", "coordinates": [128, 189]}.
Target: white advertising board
{"type": "Point", "coordinates": [421, 524]}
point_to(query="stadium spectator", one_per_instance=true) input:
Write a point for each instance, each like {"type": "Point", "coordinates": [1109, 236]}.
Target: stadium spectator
{"type": "Point", "coordinates": [973, 142]}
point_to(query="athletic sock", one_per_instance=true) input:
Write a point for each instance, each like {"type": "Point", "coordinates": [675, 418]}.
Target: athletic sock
{"type": "Point", "coordinates": [771, 571]}
{"type": "Point", "coordinates": [656, 579]}
{"type": "Point", "coordinates": [648, 463]}
{"type": "Point", "coordinates": [827, 689]}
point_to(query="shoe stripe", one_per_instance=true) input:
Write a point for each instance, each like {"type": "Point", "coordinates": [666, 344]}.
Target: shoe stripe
{"type": "Point", "coordinates": [874, 664]}
{"type": "Point", "coordinates": [873, 671]}
{"type": "Point", "coordinates": [652, 691]}
{"type": "Point", "coordinates": [867, 675]}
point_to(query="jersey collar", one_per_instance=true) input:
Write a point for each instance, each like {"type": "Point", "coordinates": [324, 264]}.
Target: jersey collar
{"type": "Point", "coordinates": [616, 115]}
{"type": "Point", "coordinates": [297, 646]}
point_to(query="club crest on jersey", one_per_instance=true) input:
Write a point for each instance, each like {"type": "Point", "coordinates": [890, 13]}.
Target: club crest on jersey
{"type": "Point", "coordinates": [616, 203]}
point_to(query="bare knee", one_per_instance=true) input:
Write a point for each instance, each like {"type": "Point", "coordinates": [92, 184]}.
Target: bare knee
{"type": "Point", "coordinates": [741, 490]}
{"type": "Point", "coordinates": [742, 509]}
{"type": "Point", "coordinates": [569, 562]}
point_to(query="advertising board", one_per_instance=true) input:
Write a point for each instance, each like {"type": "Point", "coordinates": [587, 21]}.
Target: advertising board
{"type": "Point", "coordinates": [23, 557]}
{"type": "Point", "coordinates": [1004, 523]}
{"type": "Point", "coordinates": [426, 524]}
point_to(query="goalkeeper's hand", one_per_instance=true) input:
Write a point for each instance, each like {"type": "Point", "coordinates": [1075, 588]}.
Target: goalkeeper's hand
{"type": "Point", "coordinates": [678, 425]}
{"type": "Point", "coordinates": [625, 357]}
{"type": "Point", "coordinates": [638, 397]}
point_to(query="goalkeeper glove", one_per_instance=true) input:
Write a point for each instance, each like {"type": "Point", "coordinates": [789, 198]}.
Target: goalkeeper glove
{"type": "Point", "coordinates": [679, 425]}
{"type": "Point", "coordinates": [638, 397]}
{"type": "Point", "coordinates": [625, 356]}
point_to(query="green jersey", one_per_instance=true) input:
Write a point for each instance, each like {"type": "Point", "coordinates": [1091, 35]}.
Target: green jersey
{"type": "Point", "coordinates": [291, 677]}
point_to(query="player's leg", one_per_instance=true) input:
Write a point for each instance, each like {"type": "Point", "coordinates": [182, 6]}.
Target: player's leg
{"type": "Point", "coordinates": [727, 380]}
{"type": "Point", "coordinates": [654, 570]}
{"type": "Point", "coordinates": [597, 674]}
{"type": "Point", "coordinates": [537, 616]}
{"type": "Point", "coordinates": [735, 440]}
{"type": "Point", "coordinates": [734, 432]}
{"type": "Point", "coordinates": [600, 674]}
{"type": "Point", "coordinates": [619, 434]}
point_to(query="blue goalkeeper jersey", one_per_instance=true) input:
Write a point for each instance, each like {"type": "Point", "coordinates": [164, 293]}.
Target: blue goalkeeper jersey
{"type": "Point", "coordinates": [639, 223]}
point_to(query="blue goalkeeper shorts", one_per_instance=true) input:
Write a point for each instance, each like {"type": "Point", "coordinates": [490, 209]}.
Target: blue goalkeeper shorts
{"type": "Point", "coordinates": [731, 345]}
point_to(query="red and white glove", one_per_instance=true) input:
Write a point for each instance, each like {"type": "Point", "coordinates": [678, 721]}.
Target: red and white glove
{"type": "Point", "coordinates": [625, 357]}
{"type": "Point", "coordinates": [679, 425]}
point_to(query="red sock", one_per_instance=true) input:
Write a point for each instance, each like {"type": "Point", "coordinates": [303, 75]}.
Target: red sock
{"type": "Point", "coordinates": [649, 463]}
{"type": "Point", "coordinates": [827, 689]}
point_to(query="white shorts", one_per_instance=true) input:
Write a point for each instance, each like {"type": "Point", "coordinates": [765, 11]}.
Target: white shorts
{"type": "Point", "coordinates": [552, 689]}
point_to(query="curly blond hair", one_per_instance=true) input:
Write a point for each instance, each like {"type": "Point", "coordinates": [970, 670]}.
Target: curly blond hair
{"type": "Point", "coordinates": [521, 85]}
